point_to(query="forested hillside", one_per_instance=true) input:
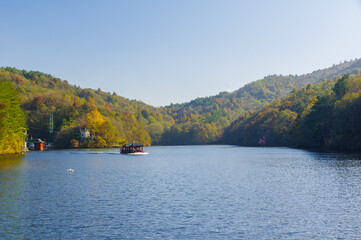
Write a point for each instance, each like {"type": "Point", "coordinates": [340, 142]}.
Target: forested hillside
{"type": "Point", "coordinates": [113, 120]}
{"type": "Point", "coordinates": [325, 115]}
{"type": "Point", "coordinates": [12, 120]}
{"type": "Point", "coordinates": [204, 119]}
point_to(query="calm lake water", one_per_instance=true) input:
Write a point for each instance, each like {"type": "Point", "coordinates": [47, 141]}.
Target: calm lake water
{"type": "Point", "coordinates": [182, 192]}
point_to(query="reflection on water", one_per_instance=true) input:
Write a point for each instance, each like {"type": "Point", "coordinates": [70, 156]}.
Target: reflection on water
{"type": "Point", "coordinates": [181, 192]}
{"type": "Point", "coordinates": [11, 162]}
{"type": "Point", "coordinates": [11, 196]}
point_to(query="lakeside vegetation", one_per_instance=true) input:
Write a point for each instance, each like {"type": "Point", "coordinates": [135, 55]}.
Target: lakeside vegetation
{"type": "Point", "coordinates": [282, 108]}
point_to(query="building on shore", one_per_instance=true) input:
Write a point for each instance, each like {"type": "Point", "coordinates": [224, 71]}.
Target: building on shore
{"type": "Point", "coordinates": [84, 132]}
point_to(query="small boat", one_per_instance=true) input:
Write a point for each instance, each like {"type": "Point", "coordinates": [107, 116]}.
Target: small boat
{"type": "Point", "coordinates": [133, 149]}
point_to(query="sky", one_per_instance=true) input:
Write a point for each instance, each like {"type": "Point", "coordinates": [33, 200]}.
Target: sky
{"type": "Point", "coordinates": [173, 51]}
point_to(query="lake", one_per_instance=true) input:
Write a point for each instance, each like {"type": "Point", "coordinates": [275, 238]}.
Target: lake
{"type": "Point", "coordinates": [181, 192]}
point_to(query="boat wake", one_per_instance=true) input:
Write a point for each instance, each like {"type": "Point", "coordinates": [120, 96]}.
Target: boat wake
{"type": "Point", "coordinates": [137, 153]}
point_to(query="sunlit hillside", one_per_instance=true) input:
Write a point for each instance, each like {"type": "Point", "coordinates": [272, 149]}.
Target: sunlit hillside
{"type": "Point", "coordinates": [113, 119]}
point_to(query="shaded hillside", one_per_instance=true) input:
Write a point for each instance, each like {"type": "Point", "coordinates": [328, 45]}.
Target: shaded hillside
{"type": "Point", "coordinates": [325, 115]}
{"type": "Point", "coordinates": [203, 119]}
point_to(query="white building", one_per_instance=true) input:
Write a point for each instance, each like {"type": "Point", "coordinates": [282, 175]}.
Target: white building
{"type": "Point", "coordinates": [84, 132]}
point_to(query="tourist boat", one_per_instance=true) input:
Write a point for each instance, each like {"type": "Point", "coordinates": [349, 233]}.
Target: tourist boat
{"type": "Point", "coordinates": [133, 149]}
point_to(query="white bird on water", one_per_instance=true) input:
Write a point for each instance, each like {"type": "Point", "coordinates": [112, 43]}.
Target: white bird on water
{"type": "Point", "coordinates": [70, 170]}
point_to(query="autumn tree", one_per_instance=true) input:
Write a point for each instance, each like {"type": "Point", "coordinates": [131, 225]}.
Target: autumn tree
{"type": "Point", "coordinates": [103, 131]}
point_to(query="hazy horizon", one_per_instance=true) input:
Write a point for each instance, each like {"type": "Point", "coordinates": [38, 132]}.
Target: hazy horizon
{"type": "Point", "coordinates": [164, 52]}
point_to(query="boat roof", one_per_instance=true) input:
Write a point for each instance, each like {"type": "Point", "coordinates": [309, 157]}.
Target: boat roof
{"type": "Point", "coordinates": [133, 145]}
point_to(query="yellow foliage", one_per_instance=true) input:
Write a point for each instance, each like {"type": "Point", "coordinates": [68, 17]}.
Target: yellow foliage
{"type": "Point", "coordinates": [74, 143]}
{"type": "Point", "coordinates": [94, 121]}
{"type": "Point", "coordinates": [97, 142]}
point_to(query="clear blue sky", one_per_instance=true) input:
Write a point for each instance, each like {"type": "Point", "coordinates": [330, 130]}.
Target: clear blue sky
{"type": "Point", "coordinates": [164, 52]}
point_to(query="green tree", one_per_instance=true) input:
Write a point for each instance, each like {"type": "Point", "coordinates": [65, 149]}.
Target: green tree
{"type": "Point", "coordinates": [341, 86]}
{"type": "Point", "coordinates": [318, 125]}
{"type": "Point", "coordinates": [12, 120]}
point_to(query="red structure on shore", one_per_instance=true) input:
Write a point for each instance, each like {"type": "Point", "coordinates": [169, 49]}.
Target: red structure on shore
{"type": "Point", "coordinates": [262, 141]}
{"type": "Point", "coordinates": [39, 145]}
